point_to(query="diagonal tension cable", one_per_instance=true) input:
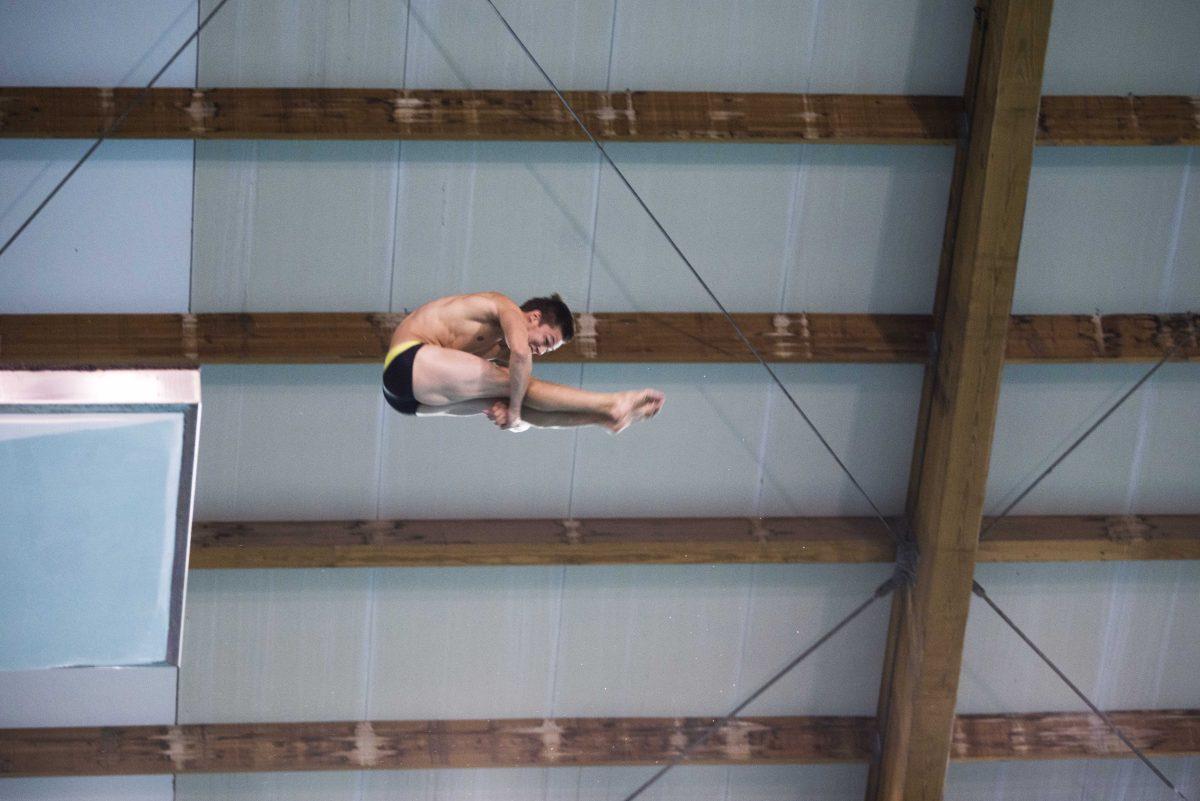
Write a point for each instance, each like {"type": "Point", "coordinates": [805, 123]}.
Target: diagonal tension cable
{"type": "Point", "coordinates": [1112, 409]}
{"type": "Point", "coordinates": [880, 592]}
{"type": "Point", "coordinates": [671, 241]}
{"type": "Point", "coordinates": [977, 588]}
{"type": "Point", "coordinates": [116, 123]}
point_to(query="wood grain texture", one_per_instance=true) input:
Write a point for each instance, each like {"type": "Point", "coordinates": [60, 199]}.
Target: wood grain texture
{"type": "Point", "coordinates": [562, 742]}
{"type": "Point", "coordinates": [1091, 538]}
{"type": "Point", "coordinates": [418, 543]}
{"type": "Point", "coordinates": [448, 543]}
{"type": "Point", "coordinates": [392, 745]}
{"type": "Point", "coordinates": [59, 340]}
{"type": "Point", "coordinates": [351, 113]}
{"type": "Point", "coordinates": [973, 307]}
{"type": "Point", "coordinates": [1075, 735]}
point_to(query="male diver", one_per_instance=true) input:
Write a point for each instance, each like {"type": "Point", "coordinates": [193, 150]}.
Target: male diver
{"type": "Point", "coordinates": [472, 354]}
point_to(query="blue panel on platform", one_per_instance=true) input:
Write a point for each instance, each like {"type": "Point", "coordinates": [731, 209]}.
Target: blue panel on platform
{"type": "Point", "coordinates": [87, 538]}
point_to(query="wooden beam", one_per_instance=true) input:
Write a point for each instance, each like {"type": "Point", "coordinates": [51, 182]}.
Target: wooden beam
{"type": "Point", "coordinates": [428, 543]}
{"type": "Point", "coordinates": [348, 113]}
{"type": "Point", "coordinates": [56, 340]}
{"type": "Point", "coordinates": [972, 308]}
{"type": "Point", "coordinates": [1129, 120]}
{"type": "Point", "coordinates": [1091, 538]}
{"type": "Point", "coordinates": [846, 540]}
{"type": "Point", "coordinates": [393, 745]}
{"type": "Point", "coordinates": [1074, 735]}
{"type": "Point", "coordinates": [563, 742]}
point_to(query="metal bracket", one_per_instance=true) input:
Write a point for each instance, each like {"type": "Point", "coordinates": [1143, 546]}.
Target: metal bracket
{"type": "Point", "coordinates": [907, 554]}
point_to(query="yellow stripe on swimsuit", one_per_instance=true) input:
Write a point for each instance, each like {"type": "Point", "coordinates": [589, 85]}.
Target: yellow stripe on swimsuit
{"type": "Point", "coordinates": [398, 349]}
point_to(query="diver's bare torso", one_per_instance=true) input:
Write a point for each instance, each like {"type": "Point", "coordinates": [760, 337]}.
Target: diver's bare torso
{"type": "Point", "coordinates": [468, 323]}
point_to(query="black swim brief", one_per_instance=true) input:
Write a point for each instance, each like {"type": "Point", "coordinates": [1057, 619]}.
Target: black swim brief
{"type": "Point", "coordinates": [397, 377]}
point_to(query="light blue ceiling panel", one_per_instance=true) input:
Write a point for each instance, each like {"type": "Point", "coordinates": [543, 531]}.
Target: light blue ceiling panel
{"type": "Point", "coordinates": [305, 786]}
{"type": "Point", "coordinates": [293, 226]}
{"type": "Point", "coordinates": [1166, 476]}
{"type": "Point", "coordinates": [1113, 47]}
{"type": "Point", "coordinates": [1183, 285]}
{"type": "Point", "coordinates": [89, 788]}
{"type": "Point", "coordinates": [463, 642]}
{"type": "Point", "coordinates": [81, 43]}
{"type": "Point", "coordinates": [867, 229]}
{"type": "Point", "coordinates": [463, 45]}
{"type": "Point", "coordinates": [102, 696]}
{"type": "Point", "coordinates": [815, 782]}
{"type": "Point", "coordinates": [868, 414]}
{"type": "Point", "coordinates": [668, 640]}
{"type": "Point", "coordinates": [698, 457]}
{"type": "Point", "coordinates": [685, 783]}
{"type": "Point", "coordinates": [511, 217]}
{"type": "Point", "coordinates": [1071, 780]}
{"type": "Point", "coordinates": [728, 208]}
{"type": "Point", "coordinates": [358, 43]}
{"type": "Point", "coordinates": [455, 467]}
{"type": "Point", "coordinates": [1044, 408]}
{"type": "Point", "coordinates": [651, 640]}
{"type": "Point", "coordinates": [909, 47]}
{"type": "Point", "coordinates": [295, 442]}
{"type": "Point", "coordinates": [685, 45]}
{"type": "Point", "coordinates": [1113, 229]}
{"type": "Point", "coordinates": [788, 608]}
{"type": "Point", "coordinates": [1127, 633]}
{"type": "Point", "coordinates": [115, 239]}
{"type": "Point", "coordinates": [275, 645]}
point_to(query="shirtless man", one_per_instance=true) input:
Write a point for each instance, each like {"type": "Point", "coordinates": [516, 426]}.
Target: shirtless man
{"type": "Point", "coordinates": [471, 354]}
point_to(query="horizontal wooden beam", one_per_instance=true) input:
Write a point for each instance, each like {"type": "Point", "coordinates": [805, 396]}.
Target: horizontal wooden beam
{"type": "Point", "coordinates": [313, 113]}
{"type": "Point", "coordinates": [1091, 538]}
{"type": "Point", "coordinates": [393, 745]}
{"type": "Point", "coordinates": [563, 742]}
{"type": "Point", "coordinates": [1074, 735]}
{"type": "Point", "coordinates": [55, 340]}
{"type": "Point", "coordinates": [430, 543]}
{"type": "Point", "coordinates": [446, 543]}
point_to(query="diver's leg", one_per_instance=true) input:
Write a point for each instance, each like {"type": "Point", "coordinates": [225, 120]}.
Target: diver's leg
{"type": "Point", "coordinates": [443, 376]}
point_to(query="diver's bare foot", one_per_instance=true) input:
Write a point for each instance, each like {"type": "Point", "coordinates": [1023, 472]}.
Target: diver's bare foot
{"type": "Point", "coordinates": [633, 406]}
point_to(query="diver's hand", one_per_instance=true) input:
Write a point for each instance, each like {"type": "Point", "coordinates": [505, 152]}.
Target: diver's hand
{"type": "Point", "coordinates": [502, 416]}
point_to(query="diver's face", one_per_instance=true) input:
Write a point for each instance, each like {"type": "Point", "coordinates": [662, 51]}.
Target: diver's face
{"type": "Point", "coordinates": [543, 337]}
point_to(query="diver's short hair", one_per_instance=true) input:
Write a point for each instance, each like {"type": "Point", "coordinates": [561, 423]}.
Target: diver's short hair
{"type": "Point", "coordinates": [554, 312]}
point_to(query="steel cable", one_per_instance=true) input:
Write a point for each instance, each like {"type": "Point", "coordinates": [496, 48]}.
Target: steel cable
{"type": "Point", "coordinates": [670, 240]}
{"type": "Point", "coordinates": [977, 588]}
{"type": "Point", "coordinates": [116, 123]}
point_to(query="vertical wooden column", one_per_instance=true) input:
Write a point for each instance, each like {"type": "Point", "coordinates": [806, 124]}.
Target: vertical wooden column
{"type": "Point", "coordinates": [974, 299]}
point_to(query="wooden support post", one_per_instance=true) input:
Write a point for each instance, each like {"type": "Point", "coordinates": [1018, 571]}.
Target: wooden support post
{"type": "Point", "coordinates": [974, 300]}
